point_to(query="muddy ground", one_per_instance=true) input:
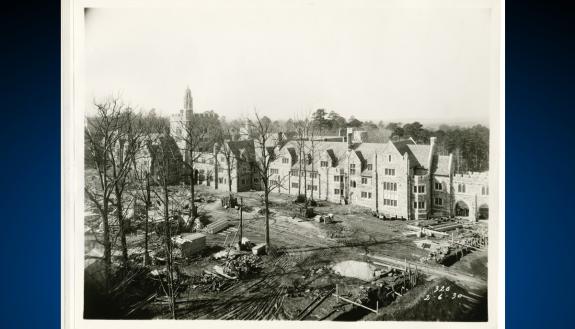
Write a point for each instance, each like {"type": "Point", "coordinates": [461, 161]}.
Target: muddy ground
{"type": "Point", "coordinates": [296, 282]}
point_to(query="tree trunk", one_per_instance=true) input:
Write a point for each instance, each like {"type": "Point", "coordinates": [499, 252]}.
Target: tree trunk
{"type": "Point", "coordinates": [241, 221]}
{"type": "Point", "coordinates": [299, 173]}
{"type": "Point", "coordinates": [169, 259]}
{"type": "Point", "coordinates": [107, 247]}
{"type": "Point", "coordinates": [229, 177]}
{"type": "Point", "coordinates": [146, 223]}
{"type": "Point", "coordinates": [266, 203]}
{"type": "Point", "coordinates": [193, 212]}
{"type": "Point", "coordinates": [122, 226]}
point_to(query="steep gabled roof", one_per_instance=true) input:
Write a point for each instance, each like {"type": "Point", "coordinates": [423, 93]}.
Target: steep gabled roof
{"type": "Point", "coordinates": [242, 148]}
{"type": "Point", "coordinates": [402, 145]}
{"type": "Point", "coordinates": [440, 165]}
{"type": "Point", "coordinates": [419, 155]}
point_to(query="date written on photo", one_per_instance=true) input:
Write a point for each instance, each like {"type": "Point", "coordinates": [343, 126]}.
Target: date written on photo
{"type": "Point", "coordinates": [443, 293]}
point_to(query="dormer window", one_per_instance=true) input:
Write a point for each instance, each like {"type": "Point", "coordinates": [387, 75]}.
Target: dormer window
{"type": "Point", "coordinates": [389, 158]}
{"type": "Point", "coordinates": [323, 164]}
{"type": "Point", "coordinates": [285, 160]}
{"type": "Point", "coordinates": [369, 166]}
{"type": "Point", "coordinates": [352, 169]}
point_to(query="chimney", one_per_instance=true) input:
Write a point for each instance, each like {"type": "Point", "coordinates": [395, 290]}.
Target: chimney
{"type": "Point", "coordinates": [349, 137]}
{"type": "Point", "coordinates": [431, 151]}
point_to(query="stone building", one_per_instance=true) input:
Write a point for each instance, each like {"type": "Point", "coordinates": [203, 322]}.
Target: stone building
{"type": "Point", "coordinates": [471, 195]}
{"type": "Point", "coordinates": [397, 179]}
{"type": "Point", "coordinates": [233, 162]}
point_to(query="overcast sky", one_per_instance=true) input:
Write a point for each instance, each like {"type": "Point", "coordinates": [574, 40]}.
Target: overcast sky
{"type": "Point", "coordinates": [429, 65]}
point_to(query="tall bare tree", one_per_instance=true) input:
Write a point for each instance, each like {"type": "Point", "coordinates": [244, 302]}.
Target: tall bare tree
{"type": "Point", "coordinates": [101, 136]}
{"type": "Point", "coordinates": [266, 146]}
{"type": "Point", "coordinates": [226, 151]}
{"type": "Point", "coordinates": [163, 158]}
{"type": "Point", "coordinates": [142, 179]}
{"type": "Point", "coordinates": [122, 155]}
{"type": "Point", "coordinates": [198, 135]}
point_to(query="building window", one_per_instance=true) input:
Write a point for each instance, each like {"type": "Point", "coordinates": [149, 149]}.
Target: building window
{"type": "Point", "coordinates": [438, 186]}
{"type": "Point", "coordinates": [309, 187]}
{"type": "Point", "coordinates": [364, 195]}
{"type": "Point", "coordinates": [461, 188]}
{"type": "Point", "coordinates": [315, 187]}
{"type": "Point", "coordinates": [390, 202]}
{"type": "Point", "coordinates": [352, 169]}
{"type": "Point", "coordinates": [285, 160]}
{"type": "Point", "coordinates": [352, 183]}
{"type": "Point", "coordinates": [220, 180]}
{"type": "Point", "coordinates": [438, 201]}
{"type": "Point", "coordinates": [323, 164]}
{"type": "Point", "coordinates": [421, 189]}
{"type": "Point", "coordinates": [294, 185]}
{"type": "Point", "coordinates": [243, 181]}
{"type": "Point", "coordinates": [294, 173]}
{"type": "Point", "coordinates": [364, 180]}
{"type": "Point", "coordinates": [419, 204]}
{"type": "Point", "coordinates": [274, 171]}
{"type": "Point", "coordinates": [484, 190]}
{"type": "Point", "coordinates": [389, 186]}
{"type": "Point", "coordinates": [336, 191]}
{"type": "Point", "coordinates": [336, 178]}
{"type": "Point", "coordinates": [369, 166]}
{"type": "Point", "coordinates": [389, 158]}
{"type": "Point", "coordinates": [313, 174]}
{"type": "Point", "coordinates": [389, 171]}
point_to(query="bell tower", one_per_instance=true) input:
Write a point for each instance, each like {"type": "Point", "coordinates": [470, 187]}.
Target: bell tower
{"type": "Point", "coordinates": [188, 105]}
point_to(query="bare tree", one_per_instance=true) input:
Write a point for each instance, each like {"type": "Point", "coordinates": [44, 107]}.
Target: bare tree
{"type": "Point", "coordinates": [197, 138]}
{"type": "Point", "coordinates": [314, 149]}
{"type": "Point", "coordinates": [122, 155]}
{"type": "Point", "coordinates": [301, 130]}
{"type": "Point", "coordinates": [142, 191]}
{"type": "Point", "coordinates": [228, 154]}
{"type": "Point", "coordinates": [163, 159]}
{"type": "Point", "coordinates": [102, 138]}
{"type": "Point", "coordinates": [266, 146]}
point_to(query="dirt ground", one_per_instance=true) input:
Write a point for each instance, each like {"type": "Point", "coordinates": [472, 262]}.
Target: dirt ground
{"type": "Point", "coordinates": [296, 282]}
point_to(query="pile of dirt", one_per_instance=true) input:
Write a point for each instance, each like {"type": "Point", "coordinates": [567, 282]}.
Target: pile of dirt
{"type": "Point", "coordinates": [354, 269]}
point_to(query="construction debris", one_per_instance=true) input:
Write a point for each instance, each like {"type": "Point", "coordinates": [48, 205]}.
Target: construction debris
{"type": "Point", "coordinates": [217, 226]}
{"type": "Point", "coordinates": [259, 249]}
{"type": "Point", "coordinates": [241, 266]}
{"type": "Point", "coordinates": [190, 244]}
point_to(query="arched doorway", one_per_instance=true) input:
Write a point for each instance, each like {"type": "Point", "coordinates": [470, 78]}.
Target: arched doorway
{"type": "Point", "coordinates": [483, 212]}
{"type": "Point", "coordinates": [461, 209]}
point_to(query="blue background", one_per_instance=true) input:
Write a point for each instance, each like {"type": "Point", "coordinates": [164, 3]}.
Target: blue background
{"type": "Point", "coordinates": [540, 221]}
{"type": "Point", "coordinates": [540, 218]}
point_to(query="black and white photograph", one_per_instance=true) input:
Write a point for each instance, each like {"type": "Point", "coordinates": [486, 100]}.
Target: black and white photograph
{"type": "Point", "coordinates": [286, 161]}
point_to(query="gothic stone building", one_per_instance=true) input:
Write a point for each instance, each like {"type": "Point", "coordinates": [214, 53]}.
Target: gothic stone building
{"type": "Point", "coordinates": [397, 179]}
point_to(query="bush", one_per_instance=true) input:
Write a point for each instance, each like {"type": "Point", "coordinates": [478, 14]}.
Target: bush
{"type": "Point", "coordinates": [300, 198]}
{"type": "Point", "coordinates": [309, 212]}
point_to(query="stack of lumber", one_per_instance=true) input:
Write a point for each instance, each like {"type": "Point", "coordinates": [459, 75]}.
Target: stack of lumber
{"type": "Point", "coordinates": [191, 243]}
{"type": "Point", "coordinates": [217, 226]}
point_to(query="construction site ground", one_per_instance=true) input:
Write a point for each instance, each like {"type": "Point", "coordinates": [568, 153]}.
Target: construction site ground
{"type": "Point", "coordinates": [296, 281]}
